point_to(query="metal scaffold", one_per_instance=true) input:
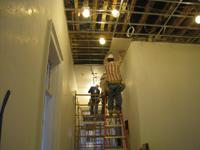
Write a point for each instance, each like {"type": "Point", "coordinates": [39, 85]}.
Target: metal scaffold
{"type": "Point", "coordinates": [99, 131]}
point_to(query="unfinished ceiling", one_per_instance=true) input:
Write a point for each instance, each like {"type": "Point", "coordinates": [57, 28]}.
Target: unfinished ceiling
{"type": "Point", "coordinates": [151, 20]}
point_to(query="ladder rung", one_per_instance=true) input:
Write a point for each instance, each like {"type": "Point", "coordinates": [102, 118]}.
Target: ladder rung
{"type": "Point", "coordinates": [114, 126]}
{"type": "Point", "coordinates": [116, 148]}
{"type": "Point", "coordinates": [113, 147]}
{"type": "Point", "coordinates": [92, 121]}
{"type": "Point", "coordinates": [113, 115]}
{"type": "Point", "coordinates": [114, 137]}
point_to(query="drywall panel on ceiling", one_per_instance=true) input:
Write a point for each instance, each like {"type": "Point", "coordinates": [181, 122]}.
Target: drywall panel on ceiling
{"type": "Point", "coordinates": [119, 43]}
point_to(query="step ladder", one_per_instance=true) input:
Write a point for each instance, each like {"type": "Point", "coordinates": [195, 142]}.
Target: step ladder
{"type": "Point", "coordinates": [116, 126]}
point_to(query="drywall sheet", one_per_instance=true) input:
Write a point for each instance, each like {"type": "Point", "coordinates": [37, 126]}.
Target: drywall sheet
{"type": "Point", "coordinates": [119, 43]}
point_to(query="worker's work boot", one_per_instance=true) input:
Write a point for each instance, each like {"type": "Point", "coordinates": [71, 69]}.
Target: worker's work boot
{"type": "Point", "coordinates": [110, 112]}
{"type": "Point", "coordinates": [118, 112]}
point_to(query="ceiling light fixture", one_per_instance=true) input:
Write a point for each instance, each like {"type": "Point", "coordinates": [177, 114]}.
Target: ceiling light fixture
{"type": "Point", "coordinates": [197, 19]}
{"type": "Point", "coordinates": [86, 12]}
{"type": "Point", "coordinates": [115, 13]}
{"type": "Point", "coordinates": [102, 41]}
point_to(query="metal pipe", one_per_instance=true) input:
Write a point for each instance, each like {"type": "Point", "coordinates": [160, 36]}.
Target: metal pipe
{"type": "Point", "coordinates": [142, 24]}
{"type": "Point", "coordinates": [92, 47]}
{"type": "Point", "coordinates": [89, 59]}
{"type": "Point", "coordinates": [195, 39]}
{"type": "Point", "coordinates": [187, 3]}
{"type": "Point", "coordinates": [79, 40]}
{"type": "Point", "coordinates": [90, 64]}
{"type": "Point", "coordinates": [167, 20]}
{"type": "Point", "coordinates": [160, 41]}
{"type": "Point", "coordinates": [118, 17]}
{"type": "Point", "coordinates": [142, 34]}
{"type": "Point", "coordinates": [88, 94]}
{"type": "Point", "coordinates": [135, 12]}
{"type": "Point", "coordinates": [88, 54]}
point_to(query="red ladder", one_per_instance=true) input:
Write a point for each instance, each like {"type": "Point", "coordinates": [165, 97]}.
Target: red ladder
{"type": "Point", "coordinates": [114, 136]}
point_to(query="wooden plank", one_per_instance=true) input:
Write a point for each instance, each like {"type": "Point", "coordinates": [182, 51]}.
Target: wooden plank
{"type": "Point", "coordinates": [144, 16]}
{"type": "Point", "coordinates": [160, 18]}
{"type": "Point", "coordinates": [94, 17]}
{"type": "Point", "coordinates": [76, 14]}
{"type": "Point", "coordinates": [128, 16]}
{"type": "Point", "coordinates": [93, 44]}
{"type": "Point", "coordinates": [105, 6]}
{"type": "Point", "coordinates": [178, 21]}
{"type": "Point", "coordinates": [86, 36]}
{"type": "Point", "coordinates": [189, 22]}
{"type": "Point", "coordinates": [111, 17]}
{"type": "Point", "coordinates": [196, 34]}
{"type": "Point", "coordinates": [124, 7]}
{"type": "Point", "coordinates": [91, 136]}
{"type": "Point", "coordinates": [87, 51]}
{"type": "Point", "coordinates": [113, 137]}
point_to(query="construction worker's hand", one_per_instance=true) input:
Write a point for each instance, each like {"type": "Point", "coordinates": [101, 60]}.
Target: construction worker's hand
{"type": "Point", "coordinates": [120, 51]}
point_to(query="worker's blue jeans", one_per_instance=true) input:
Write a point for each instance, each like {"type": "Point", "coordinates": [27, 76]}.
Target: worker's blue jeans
{"type": "Point", "coordinates": [103, 106]}
{"type": "Point", "coordinates": [92, 106]}
{"type": "Point", "coordinates": [114, 90]}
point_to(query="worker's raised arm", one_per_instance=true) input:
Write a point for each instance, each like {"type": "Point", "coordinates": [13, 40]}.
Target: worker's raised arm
{"type": "Point", "coordinates": [105, 58]}
{"type": "Point", "coordinates": [120, 56]}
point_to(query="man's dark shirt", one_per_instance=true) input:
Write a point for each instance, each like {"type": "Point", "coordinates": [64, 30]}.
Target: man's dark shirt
{"type": "Point", "coordinates": [94, 90]}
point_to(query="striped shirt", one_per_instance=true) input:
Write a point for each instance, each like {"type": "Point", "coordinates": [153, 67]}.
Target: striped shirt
{"type": "Point", "coordinates": [112, 69]}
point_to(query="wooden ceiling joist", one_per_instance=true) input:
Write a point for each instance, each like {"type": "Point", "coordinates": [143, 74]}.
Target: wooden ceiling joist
{"type": "Point", "coordinates": [159, 19]}
{"type": "Point", "coordinates": [178, 21]}
{"type": "Point", "coordinates": [84, 36]}
{"type": "Point", "coordinates": [76, 14]}
{"type": "Point", "coordinates": [91, 44]}
{"type": "Point", "coordinates": [89, 51]}
{"type": "Point", "coordinates": [105, 6]}
{"type": "Point", "coordinates": [111, 17]}
{"type": "Point", "coordinates": [144, 16]}
{"type": "Point", "coordinates": [94, 17]}
{"type": "Point", "coordinates": [189, 22]}
{"type": "Point", "coordinates": [166, 21]}
{"type": "Point", "coordinates": [128, 16]}
{"type": "Point", "coordinates": [197, 34]}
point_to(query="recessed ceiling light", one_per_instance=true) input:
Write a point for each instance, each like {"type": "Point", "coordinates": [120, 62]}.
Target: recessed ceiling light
{"type": "Point", "coordinates": [115, 13]}
{"type": "Point", "coordinates": [197, 19]}
{"type": "Point", "coordinates": [102, 41]}
{"type": "Point", "coordinates": [86, 12]}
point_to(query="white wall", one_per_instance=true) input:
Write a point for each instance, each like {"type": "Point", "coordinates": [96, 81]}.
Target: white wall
{"type": "Point", "coordinates": [23, 58]}
{"type": "Point", "coordinates": [161, 101]}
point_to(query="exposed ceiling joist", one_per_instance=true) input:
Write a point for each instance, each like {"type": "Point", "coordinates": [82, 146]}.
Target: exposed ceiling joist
{"type": "Point", "coordinates": [105, 6]}
{"type": "Point", "coordinates": [111, 17]}
{"type": "Point", "coordinates": [153, 20]}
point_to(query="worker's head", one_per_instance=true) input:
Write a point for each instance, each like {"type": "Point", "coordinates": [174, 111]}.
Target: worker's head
{"type": "Point", "coordinates": [97, 85]}
{"type": "Point", "coordinates": [110, 57]}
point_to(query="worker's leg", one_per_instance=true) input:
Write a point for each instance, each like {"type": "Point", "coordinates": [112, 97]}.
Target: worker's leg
{"type": "Point", "coordinates": [91, 107]}
{"type": "Point", "coordinates": [111, 96]}
{"type": "Point", "coordinates": [95, 101]}
{"type": "Point", "coordinates": [96, 108]}
{"type": "Point", "coordinates": [103, 106]}
{"type": "Point", "coordinates": [118, 97]}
